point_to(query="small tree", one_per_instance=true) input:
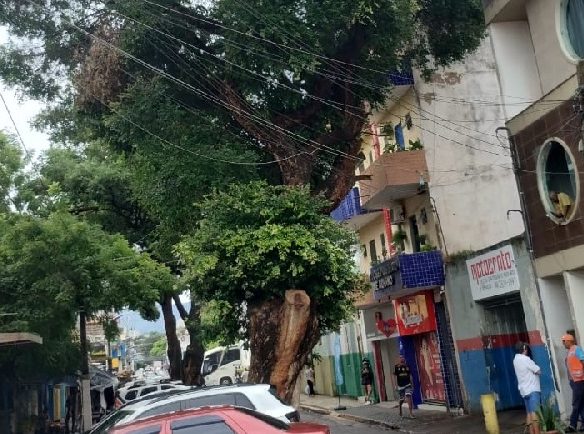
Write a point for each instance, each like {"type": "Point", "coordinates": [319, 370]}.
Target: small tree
{"type": "Point", "coordinates": [285, 268]}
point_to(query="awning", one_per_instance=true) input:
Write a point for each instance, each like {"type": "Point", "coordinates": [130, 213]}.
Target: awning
{"type": "Point", "coordinates": [20, 338]}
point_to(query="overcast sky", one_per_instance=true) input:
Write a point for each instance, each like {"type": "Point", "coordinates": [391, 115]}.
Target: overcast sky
{"type": "Point", "coordinates": [23, 113]}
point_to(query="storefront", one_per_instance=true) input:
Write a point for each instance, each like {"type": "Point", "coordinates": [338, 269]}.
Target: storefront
{"type": "Point", "coordinates": [411, 284]}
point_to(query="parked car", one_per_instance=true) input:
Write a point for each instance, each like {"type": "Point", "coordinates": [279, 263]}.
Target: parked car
{"type": "Point", "coordinates": [258, 397]}
{"type": "Point", "coordinates": [217, 420]}
{"type": "Point", "coordinates": [138, 391]}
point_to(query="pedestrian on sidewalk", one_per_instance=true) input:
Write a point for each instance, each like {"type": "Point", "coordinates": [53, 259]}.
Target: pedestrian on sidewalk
{"type": "Point", "coordinates": [575, 366]}
{"type": "Point", "coordinates": [405, 388]}
{"type": "Point", "coordinates": [309, 374]}
{"type": "Point", "coordinates": [528, 373]}
{"type": "Point", "coordinates": [367, 379]}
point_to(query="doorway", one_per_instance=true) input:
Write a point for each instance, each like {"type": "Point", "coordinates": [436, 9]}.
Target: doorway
{"type": "Point", "coordinates": [504, 326]}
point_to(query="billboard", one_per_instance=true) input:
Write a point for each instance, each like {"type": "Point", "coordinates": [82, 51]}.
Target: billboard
{"type": "Point", "coordinates": [493, 274]}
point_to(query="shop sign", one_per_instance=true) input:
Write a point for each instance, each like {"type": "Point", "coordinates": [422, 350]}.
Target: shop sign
{"type": "Point", "coordinates": [493, 274]}
{"type": "Point", "coordinates": [415, 313]}
{"type": "Point", "coordinates": [385, 326]}
{"type": "Point", "coordinates": [385, 278]}
{"type": "Point", "coordinates": [429, 367]}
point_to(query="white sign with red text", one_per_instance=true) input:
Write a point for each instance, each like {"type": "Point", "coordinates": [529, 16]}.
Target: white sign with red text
{"type": "Point", "coordinates": [493, 274]}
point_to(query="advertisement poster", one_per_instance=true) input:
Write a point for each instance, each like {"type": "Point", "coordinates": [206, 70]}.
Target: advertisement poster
{"type": "Point", "coordinates": [428, 359]}
{"type": "Point", "coordinates": [493, 274]}
{"type": "Point", "coordinates": [415, 314]}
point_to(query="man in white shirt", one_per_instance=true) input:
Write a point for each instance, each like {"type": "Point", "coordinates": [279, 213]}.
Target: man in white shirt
{"type": "Point", "coordinates": [527, 373]}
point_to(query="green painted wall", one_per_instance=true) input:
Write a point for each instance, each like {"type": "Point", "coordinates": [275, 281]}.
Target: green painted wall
{"type": "Point", "coordinates": [351, 369]}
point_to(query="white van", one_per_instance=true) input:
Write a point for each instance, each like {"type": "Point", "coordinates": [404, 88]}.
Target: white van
{"type": "Point", "coordinates": [226, 365]}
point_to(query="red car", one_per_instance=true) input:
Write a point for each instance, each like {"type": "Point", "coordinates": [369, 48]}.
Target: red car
{"type": "Point", "coordinates": [217, 420]}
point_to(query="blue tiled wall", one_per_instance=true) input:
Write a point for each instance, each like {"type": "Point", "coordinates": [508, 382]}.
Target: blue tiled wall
{"type": "Point", "coordinates": [424, 269]}
{"type": "Point", "coordinates": [349, 207]}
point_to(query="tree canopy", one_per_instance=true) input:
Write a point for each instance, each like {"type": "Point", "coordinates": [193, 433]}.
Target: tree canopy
{"type": "Point", "coordinates": [255, 241]}
{"type": "Point", "coordinates": [51, 268]}
{"type": "Point", "coordinates": [289, 79]}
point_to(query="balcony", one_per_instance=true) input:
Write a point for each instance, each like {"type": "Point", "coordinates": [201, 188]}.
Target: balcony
{"type": "Point", "coordinates": [504, 10]}
{"type": "Point", "coordinates": [351, 213]}
{"type": "Point", "coordinates": [394, 176]}
{"type": "Point", "coordinates": [406, 273]}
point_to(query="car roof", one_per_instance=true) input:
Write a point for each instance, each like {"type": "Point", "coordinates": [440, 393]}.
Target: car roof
{"type": "Point", "coordinates": [208, 410]}
{"type": "Point", "coordinates": [180, 394]}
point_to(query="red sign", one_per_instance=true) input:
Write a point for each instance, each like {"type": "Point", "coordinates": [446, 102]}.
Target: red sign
{"type": "Point", "coordinates": [415, 314]}
{"type": "Point", "coordinates": [428, 360]}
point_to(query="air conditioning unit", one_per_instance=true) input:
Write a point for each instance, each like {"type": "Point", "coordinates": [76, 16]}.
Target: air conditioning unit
{"type": "Point", "coordinates": [397, 215]}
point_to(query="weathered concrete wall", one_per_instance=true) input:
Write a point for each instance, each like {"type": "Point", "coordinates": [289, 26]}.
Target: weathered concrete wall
{"type": "Point", "coordinates": [471, 178]}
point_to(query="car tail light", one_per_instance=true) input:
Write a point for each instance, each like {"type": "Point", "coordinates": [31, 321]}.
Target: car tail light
{"type": "Point", "coordinates": [293, 416]}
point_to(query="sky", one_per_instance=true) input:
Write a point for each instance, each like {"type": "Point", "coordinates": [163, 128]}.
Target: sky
{"type": "Point", "coordinates": [23, 112]}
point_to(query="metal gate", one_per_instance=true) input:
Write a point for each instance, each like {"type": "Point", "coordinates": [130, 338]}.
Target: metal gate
{"type": "Point", "coordinates": [448, 359]}
{"type": "Point", "coordinates": [504, 326]}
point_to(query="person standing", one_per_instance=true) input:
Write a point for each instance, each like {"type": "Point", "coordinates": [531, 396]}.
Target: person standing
{"type": "Point", "coordinates": [575, 366]}
{"type": "Point", "coordinates": [309, 373]}
{"type": "Point", "coordinates": [367, 379]}
{"type": "Point", "coordinates": [405, 389]}
{"type": "Point", "coordinates": [527, 373]}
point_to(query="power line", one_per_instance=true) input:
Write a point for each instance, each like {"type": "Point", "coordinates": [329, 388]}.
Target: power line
{"type": "Point", "coordinates": [14, 124]}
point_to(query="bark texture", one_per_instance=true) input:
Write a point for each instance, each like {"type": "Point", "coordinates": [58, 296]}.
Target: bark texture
{"type": "Point", "coordinates": [174, 352]}
{"type": "Point", "coordinates": [283, 333]}
{"type": "Point", "coordinates": [195, 353]}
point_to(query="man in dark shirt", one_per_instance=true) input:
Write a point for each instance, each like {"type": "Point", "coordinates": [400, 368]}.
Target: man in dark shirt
{"type": "Point", "coordinates": [404, 381]}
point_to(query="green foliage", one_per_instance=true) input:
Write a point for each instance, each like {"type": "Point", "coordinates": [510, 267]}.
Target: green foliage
{"type": "Point", "coordinates": [255, 241]}
{"type": "Point", "coordinates": [159, 347]}
{"type": "Point", "coordinates": [254, 68]}
{"type": "Point", "coordinates": [51, 268]}
{"type": "Point", "coordinates": [415, 145]}
{"type": "Point", "coordinates": [548, 418]}
{"type": "Point", "coordinates": [12, 175]}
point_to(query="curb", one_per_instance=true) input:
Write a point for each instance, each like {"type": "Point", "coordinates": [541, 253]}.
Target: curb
{"type": "Point", "coordinates": [360, 419]}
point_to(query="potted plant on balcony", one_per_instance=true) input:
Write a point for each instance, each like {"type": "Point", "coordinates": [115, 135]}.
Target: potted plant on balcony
{"type": "Point", "coordinates": [415, 145]}
{"type": "Point", "coordinates": [398, 238]}
{"type": "Point", "coordinates": [388, 131]}
{"type": "Point", "coordinates": [549, 420]}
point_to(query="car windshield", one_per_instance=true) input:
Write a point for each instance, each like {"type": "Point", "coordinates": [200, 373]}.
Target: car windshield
{"type": "Point", "coordinates": [113, 419]}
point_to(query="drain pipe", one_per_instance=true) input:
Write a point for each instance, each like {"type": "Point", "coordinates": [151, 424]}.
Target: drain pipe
{"type": "Point", "coordinates": [528, 240]}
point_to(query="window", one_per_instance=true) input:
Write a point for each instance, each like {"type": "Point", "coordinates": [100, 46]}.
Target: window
{"type": "Point", "coordinates": [204, 401]}
{"type": "Point", "coordinates": [232, 355]}
{"type": "Point", "coordinates": [361, 162]}
{"type": "Point", "coordinates": [208, 424]}
{"type": "Point", "coordinates": [130, 395]}
{"type": "Point", "coordinates": [162, 409]}
{"type": "Point", "coordinates": [572, 27]}
{"type": "Point", "coordinates": [242, 401]}
{"type": "Point", "coordinates": [147, 390]}
{"type": "Point", "coordinates": [557, 181]}
{"type": "Point", "coordinates": [372, 251]}
{"type": "Point", "coordinates": [383, 246]}
{"type": "Point", "coordinates": [166, 387]}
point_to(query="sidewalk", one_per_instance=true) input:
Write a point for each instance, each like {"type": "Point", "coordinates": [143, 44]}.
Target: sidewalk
{"type": "Point", "coordinates": [428, 420]}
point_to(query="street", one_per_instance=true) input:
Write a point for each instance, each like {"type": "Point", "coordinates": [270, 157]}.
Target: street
{"type": "Point", "coordinates": [340, 425]}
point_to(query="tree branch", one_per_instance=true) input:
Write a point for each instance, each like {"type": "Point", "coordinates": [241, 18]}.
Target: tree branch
{"type": "Point", "coordinates": [180, 307]}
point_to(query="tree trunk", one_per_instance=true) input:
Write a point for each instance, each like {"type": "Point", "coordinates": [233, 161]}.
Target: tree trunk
{"type": "Point", "coordinates": [283, 333]}
{"type": "Point", "coordinates": [195, 352]}
{"type": "Point", "coordinates": [174, 353]}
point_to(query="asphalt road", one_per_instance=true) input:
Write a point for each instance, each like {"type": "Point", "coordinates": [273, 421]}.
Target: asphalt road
{"type": "Point", "coordinates": [339, 425]}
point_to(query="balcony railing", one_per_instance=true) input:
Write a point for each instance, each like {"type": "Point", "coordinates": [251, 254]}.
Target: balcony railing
{"type": "Point", "coordinates": [407, 271]}
{"type": "Point", "coordinates": [393, 176]}
{"type": "Point", "coordinates": [349, 207]}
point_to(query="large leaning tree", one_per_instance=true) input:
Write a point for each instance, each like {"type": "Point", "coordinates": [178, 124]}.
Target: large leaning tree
{"type": "Point", "coordinates": [291, 81]}
{"type": "Point", "coordinates": [291, 78]}
{"type": "Point", "coordinates": [285, 268]}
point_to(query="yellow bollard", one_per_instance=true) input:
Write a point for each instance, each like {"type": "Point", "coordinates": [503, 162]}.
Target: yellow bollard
{"type": "Point", "coordinates": [490, 412]}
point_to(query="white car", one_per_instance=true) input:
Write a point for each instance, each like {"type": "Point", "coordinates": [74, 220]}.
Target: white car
{"type": "Point", "coordinates": [138, 391]}
{"type": "Point", "coordinates": [258, 397]}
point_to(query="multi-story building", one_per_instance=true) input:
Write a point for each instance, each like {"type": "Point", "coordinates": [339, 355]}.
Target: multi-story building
{"type": "Point", "coordinates": [436, 209]}
{"type": "Point", "coordinates": [538, 45]}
